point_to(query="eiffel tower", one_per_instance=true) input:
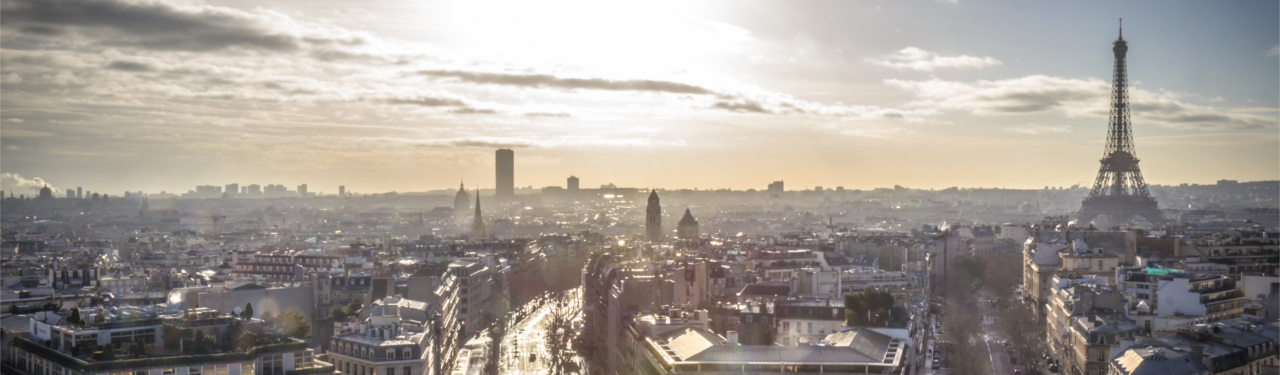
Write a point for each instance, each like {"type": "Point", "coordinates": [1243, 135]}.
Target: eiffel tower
{"type": "Point", "coordinates": [1119, 193]}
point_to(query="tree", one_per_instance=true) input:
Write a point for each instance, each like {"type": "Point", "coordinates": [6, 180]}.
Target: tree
{"type": "Point", "coordinates": [74, 317]}
{"type": "Point", "coordinates": [100, 318]}
{"type": "Point", "coordinates": [139, 348]}
{"type": "Point", "coordinates": [293, 323]}
{"type": "Point", "coordinates": [356, 303]}
{"type": "Point", "coordinates": [196, 343]}
{"type": "Point", "coordinates": [559, 331]}
{"type": "Point", "coordinates": [247, 313]}
{"type": "Point", "coordinates": [340, 313]}
{"type": "Point", "coordinates": [109, 352]}
{"type": "Point", "coordinates": [496, 332]}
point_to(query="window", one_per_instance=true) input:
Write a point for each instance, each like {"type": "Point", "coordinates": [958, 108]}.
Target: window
{"type": "Point", "coordinates": [302, 360]}
{"type": "Point", "coordinates": [391, 371]}
{"type": "Point", "coordinates": [786, 326]}
{"type": "Point", "coordinates": [407, 371]}
{"type": "Point", "coordinates": [407, 353]}
{"type": "Point", "coordinates": [391, 354]}
{"type": "Point", "coordinates": [272, 364]}
{"type": "Point", "coordinates": [810, 327]}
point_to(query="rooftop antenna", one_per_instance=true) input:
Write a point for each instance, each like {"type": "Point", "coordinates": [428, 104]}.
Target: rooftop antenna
{"type": "Point", "coordinates": [1122, 28]}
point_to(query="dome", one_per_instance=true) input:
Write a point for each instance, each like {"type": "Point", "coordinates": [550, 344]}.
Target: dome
{"type": "Point", "coordinates": [461, 200]}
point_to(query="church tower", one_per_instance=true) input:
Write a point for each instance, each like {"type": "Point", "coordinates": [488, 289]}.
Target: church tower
{"type": "Point", "coordinates": [653, 218]}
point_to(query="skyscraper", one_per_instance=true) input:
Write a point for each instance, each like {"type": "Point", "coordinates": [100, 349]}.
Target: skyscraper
{"type": "Point", "coordinates": [506, 179]}
{"type": "Point", "coordinates": [342, 190]}
{"type": "Point", "coordinates": [477, 224]}
{"type": "Point", "coordinates": [1119, 192]}
{"type": "Point", "coordinates": [573, 183]}
{"type": "Point", "coordinates": [232, 189]}
{"type": "Point", "coordinates": [302, 191]}
{"type": "Point", "coordinates": [775, 187]}
{"type": "Point", "coordinates": [79, 193]}
{"type": "Point", "coordinates": [653, 218]}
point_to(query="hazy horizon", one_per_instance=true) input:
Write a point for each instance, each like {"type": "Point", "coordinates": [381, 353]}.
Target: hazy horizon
{"type": "Point", "coordinates": [415, 96]}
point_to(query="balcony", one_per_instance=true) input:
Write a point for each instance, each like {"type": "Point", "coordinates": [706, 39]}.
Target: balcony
{"type": "Point", "coordinates": [1205, 300]}
{"type": "Point", "coordinates": [316, 368]}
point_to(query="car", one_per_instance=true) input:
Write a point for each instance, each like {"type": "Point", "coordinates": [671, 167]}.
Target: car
{"type": "Point", "coordinates": [936, 364]}
{"type": "Point", "coordinates": [1017, 371]}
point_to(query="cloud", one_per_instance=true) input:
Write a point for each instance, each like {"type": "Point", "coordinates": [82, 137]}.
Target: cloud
{"type": "Point", "coordinates": [129, 66]}
{"type": "Point", "coordinates": [1226, 139]}
{"type": "Point", "coordinates": [10, 132]}
{"type": "Point", "coordinates": [1039, 129]}
{"type": "Point", "coordinates": [918, 59]}
{"type": "Point", "coordinates": [741, 106]}
{"type": "Point", "coordinates": [550, 81]}
{"type": "Point", "coordinates": [147, 25]}
{"type": "Point", "coordinates": [14, 119]}
{"type": "Point", "coordinates": [10, 78]}
{"type": "Point", "coordinates": [547, 114]}
{"type": "Point", "coordinates": [65, 78]}
{"type": "Point", "coordinates": [480, 142]}
{"type": "Point", "coordinates": [429, 102]}
{"type": "Point", "coordinates": [1274, 51]}
{"type": "Point", "coordinates": [1255, 110]}
{"type": "Point", "coordinates": [473, 111]}
{"type": "Point", "coordinates": [15, 182]}
{"type": "Point", "coordinates": [875, 133]}
{"type": "Point", "coordinates": [1075, 98]}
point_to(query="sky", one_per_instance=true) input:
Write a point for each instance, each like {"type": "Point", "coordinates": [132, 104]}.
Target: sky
{"type": "Point", "coordinates": [408, 95]}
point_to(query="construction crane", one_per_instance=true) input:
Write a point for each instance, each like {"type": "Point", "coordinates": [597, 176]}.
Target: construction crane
{"type": "Point", "coordinates": [216, 218]}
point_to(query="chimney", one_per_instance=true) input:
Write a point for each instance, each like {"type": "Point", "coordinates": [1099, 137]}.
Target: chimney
{"type": "Point", "coordinates": [733, 337]}
{"type": "Point", "coordinates": [1197, 351]}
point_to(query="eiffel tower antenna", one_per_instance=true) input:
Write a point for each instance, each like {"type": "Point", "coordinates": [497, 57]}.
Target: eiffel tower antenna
{"type": "Point", "coordinates": [1119, 192]}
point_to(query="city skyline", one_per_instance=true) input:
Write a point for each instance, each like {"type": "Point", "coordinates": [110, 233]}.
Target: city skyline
{"type": "Point", "coordinates": [713, 96]}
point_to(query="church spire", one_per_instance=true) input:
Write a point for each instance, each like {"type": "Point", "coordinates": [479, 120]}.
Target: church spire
{"type": "Point", "coordinates": [477, 224]}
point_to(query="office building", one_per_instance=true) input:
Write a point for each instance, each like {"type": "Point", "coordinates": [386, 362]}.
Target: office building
{"type": "Point", "coordinates": [775, 187]}
{"type": "Point", "coordinates": [506, 174]}
{"type": "Point", "coordinates": [573, 183]}
{"type": "Point", "coordinates": [79, 193]}
{"type": "Point", "coordinates": [232, 189]}
{"type": "Point", "coordinates": [342, 190]}
{"type": "Point", "coordinates": [302, 191]}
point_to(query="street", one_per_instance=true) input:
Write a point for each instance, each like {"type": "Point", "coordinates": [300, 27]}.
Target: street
{"type": "Point", "coordinates": [523, 349]}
